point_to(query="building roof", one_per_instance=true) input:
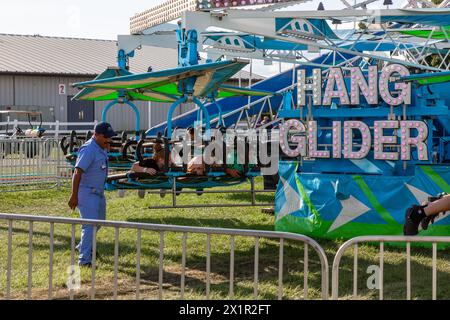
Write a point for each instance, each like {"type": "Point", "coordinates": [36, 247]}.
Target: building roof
{"type": "Point", "coordinates": [28, 54]}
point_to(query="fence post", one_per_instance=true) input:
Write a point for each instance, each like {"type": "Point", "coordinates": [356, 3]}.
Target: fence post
{"type": "Point", "coordinates": [15, 124]}
{"type": "Point", "coordinates": [59, 167]}
{"type": "Point", "coordinates": [57, 129]}
{"type": "Point", "coordinates": [8, 120]}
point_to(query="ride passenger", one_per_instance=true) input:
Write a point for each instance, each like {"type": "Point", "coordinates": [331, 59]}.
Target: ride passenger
{"type": "Point", "coordinates": [232, 168]}
{"type": "Point", "coordinates": [424, 214]}
{"type": "Point", "coordinates": [154, 165]}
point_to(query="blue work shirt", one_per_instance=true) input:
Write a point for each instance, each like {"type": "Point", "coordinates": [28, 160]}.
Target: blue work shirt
{"type": "Point", "coordinates": [93, 160]}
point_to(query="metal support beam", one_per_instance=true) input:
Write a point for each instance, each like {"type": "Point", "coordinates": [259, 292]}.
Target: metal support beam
{"type": "Point", "coordinates": [263, 24]}
{"type": "Point", "coordinates": [162, 39]}
{"type": "Point", "coordinates": [127, 102]}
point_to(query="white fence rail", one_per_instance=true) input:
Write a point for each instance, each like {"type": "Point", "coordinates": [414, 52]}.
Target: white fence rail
{"type": "Point", "coordinates": [55, 129]}
{"type": "Point", "coordinates": [31, 162]}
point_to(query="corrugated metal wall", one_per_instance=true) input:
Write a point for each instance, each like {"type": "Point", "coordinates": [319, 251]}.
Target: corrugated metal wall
{"type": "Point", "coordinates": [22, 92]}
{"type": "Point", "coordinates": [160, 110]}
{"type": "Point", "coordinates": [41, 93]}
{"type": "Point", "coordinates": [122, 116]}
{"type": "Point", "coordinates": [6, 90]}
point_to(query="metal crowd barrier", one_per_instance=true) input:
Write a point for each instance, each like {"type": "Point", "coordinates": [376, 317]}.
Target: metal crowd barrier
{"type": "Point", "coordinates": [162, 230]}
{"type": "Point", "coordinates": [382, 240]}
{"type": "Point", "coordinates": [31, 162]}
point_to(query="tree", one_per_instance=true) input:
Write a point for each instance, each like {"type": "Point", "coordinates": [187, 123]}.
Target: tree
{"type": "Point", "coordinates": [362, 26]}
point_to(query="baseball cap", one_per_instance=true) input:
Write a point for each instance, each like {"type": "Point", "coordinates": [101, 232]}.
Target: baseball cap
{"type": "Point", "coordinates": [105, 129]}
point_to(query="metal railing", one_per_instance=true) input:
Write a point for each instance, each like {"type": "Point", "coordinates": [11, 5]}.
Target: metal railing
{"type": "Point", "coordinates": [382, 240]}
{"type": "Point", "coordinates": [56, 129]}
{"type": "Point", "coordinates": [31, 162]}
{"type": "Point", "coordinates": [175, 192]}
{"type": "Point", "coordinates": [162, 230]}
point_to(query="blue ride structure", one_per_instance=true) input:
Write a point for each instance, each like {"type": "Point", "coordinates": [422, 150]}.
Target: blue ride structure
{"type": "Point", "coordinates": [343, 197]}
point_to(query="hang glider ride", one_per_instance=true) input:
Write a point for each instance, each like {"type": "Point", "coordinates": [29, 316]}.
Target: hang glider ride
{"type": "Point", "coordinates": [168, 85]}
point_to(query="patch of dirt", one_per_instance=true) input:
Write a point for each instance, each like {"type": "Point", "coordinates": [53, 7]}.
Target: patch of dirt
{"type": "Point", "coordinates": [126, 288]}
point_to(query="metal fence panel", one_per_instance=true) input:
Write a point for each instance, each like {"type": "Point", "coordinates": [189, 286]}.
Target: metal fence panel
{"type": "Point", "coordinates": [31, 162]}
{"type": "Point", "coordinates": [382, 240]}
{"type": "Point", "coordinates": [162, 230]}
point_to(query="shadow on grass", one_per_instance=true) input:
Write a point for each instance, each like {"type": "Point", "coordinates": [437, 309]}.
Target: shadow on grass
{"type": "Point", "coordinates": [227, 198]}
{"type": "Point", "coordinates": [247, 197]}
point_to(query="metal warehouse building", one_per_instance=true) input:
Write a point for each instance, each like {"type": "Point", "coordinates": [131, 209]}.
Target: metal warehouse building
{"type": "Point", "coordinates": [36, 74]}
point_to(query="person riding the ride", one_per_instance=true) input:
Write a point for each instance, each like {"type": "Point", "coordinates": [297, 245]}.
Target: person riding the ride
{"type": "Point", "coordinates": [154, 165]}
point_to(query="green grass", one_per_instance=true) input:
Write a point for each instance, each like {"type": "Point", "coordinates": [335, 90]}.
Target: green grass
{"type": "Point", "coordinates": [54, 203]}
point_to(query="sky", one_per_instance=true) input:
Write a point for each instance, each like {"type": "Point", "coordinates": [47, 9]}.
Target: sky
{"type": "Point", "coordinates": [103, 19]}
{"type": "Point", "coordinates": [98, 19]}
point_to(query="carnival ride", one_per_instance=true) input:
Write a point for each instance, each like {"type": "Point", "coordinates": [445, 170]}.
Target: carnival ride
{"type": "Point", "coordinates": [190, 81]}
{"type": "Point", "coordinates": [387, 78]}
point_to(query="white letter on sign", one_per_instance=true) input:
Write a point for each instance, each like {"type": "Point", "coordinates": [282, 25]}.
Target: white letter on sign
{"type": "Point", "coordinates": [312, 142]}
{"type": "Point", "coordinates": [335, 76]}
{"type": "Point", "coordinates": [301, 141]}
{"type": "Point", "coordinates": [404, 96]}
{"type": "Point", "coordinates": [369, 90]}
{"type": "Point", "coordinates": [418, 141]}
{"type": "Point", "coordinates": [363, 128]}
{"type": "Point", "coordinates": [380, 140]}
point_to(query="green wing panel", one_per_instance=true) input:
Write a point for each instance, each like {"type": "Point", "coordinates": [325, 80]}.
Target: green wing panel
{"type": "Point", "coordinates": [437, 34]}
{"type": "Point", "coordinates": [162, 86]}
{"type": "Point", "coordinates": [428, 78]}
{"type": "Point", "coordinates": [230, 91]}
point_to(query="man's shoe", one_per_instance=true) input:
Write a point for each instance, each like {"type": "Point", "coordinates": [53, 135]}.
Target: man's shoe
{"type": "Point", "coordinates": [413, 217]}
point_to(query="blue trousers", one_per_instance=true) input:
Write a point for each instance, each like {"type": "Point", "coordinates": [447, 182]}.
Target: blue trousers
{"type": "Point", "coordinates": [92, 205]}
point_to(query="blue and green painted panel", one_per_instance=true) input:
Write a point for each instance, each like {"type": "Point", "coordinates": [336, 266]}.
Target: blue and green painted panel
{"type": "Point", "coordinates": [336, 206]}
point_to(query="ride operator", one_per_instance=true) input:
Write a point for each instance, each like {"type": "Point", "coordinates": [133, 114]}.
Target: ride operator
{"type": "Point", "coordinates": [88, 185]}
